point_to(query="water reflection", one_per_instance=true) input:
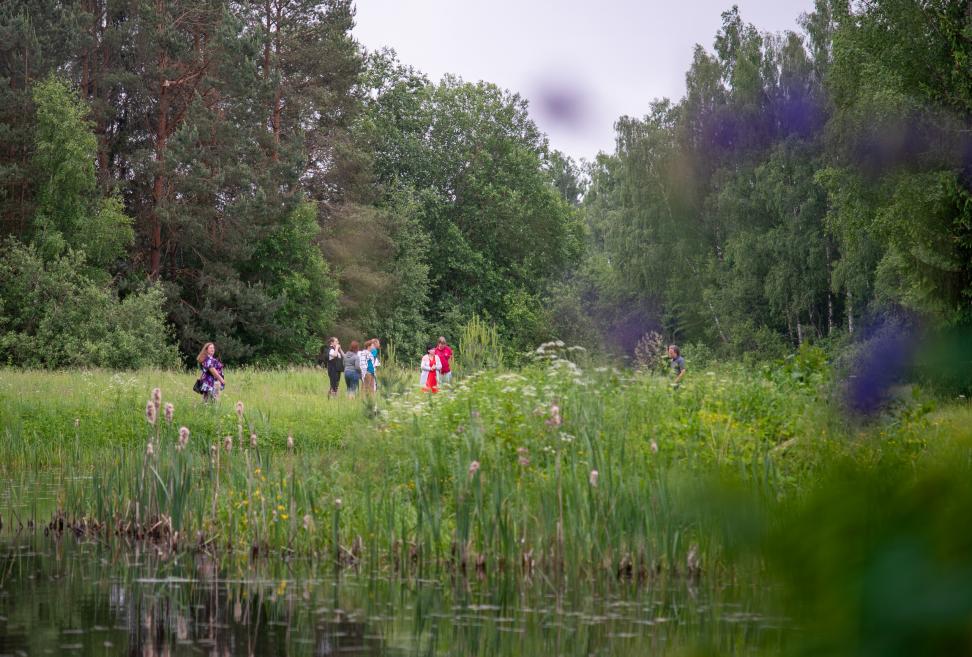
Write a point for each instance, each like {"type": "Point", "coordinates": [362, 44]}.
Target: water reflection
{"type": "Point", "coordinates": [84, 598]}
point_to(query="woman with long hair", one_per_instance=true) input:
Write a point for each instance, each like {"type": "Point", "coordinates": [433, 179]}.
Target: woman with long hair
{"type": "Point", "coordinates": [431, 366]}
{"type": "Point", "coordinates": [211, 380]}
{"type": "Point", "coordinates": [335, 363]}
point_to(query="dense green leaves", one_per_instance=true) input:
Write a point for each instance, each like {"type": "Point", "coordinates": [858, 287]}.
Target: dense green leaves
{"type": "Point", "coordinates": [51, 315]}
{"type": "Point", "coordinates": [801, 186]}
{"type": "Point", "coordinates": [493, 206]}
{"type": "Point", "coordinates": [281, 185]}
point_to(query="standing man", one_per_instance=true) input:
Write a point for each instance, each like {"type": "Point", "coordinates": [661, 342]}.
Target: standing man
{"type": "Point", "coordinates": [444, 352]}
{"type": "Point", "coordinates": [677, 363]}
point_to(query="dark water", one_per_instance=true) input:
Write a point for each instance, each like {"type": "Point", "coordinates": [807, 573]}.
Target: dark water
{"type": "Point", "coordinates": [70, 597]}
{"type": "Point", "coordinates": [66, 596]}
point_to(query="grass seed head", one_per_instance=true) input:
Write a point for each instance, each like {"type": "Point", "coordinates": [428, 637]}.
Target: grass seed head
{"type": "Point", "coordinates": [290, 442]}
{"type": "Point", "coordinates": [253, 440]}
{"type": "Point", "coordinates": [228, 444]}
{"type": "Point", "coordinates": [150, 450]}
{"type": "Point", "coordinates": [183, 438]}
{"type": "Point", "coordinates": [239, 410]}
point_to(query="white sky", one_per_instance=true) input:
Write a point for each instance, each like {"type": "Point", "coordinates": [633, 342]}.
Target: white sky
{"type": "Point", "coordinates": [580, 63]}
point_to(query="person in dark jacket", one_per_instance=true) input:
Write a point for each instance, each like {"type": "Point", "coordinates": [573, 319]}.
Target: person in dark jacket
{"type": "Point", "coordinates": [335, 365]}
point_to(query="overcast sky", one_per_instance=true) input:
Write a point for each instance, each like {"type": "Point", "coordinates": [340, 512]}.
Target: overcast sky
{"type": "Point", "coordinates": [580, 63]}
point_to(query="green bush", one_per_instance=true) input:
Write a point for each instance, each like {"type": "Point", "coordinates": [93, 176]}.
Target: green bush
{"type": "Point", "coordinates": [51, 315]}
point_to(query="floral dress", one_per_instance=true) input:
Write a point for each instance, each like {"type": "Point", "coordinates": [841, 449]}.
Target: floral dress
{"type": "Point", "coordinates": [209, 382]}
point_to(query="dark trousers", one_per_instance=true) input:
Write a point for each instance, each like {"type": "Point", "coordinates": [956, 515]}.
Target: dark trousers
{"type": "Point", "coordinates": [335, 377]}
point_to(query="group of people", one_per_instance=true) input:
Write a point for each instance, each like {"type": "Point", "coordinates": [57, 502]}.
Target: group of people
{"type": "Point", "coordinates": [358, 364]}
{"type": "Point", "coordinates": [436, 366]}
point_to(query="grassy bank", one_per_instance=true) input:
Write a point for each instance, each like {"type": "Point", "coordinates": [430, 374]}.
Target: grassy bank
{"type": "Point", "coordinates": [557, 467]}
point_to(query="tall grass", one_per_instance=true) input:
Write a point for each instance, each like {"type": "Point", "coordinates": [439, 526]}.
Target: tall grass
{"type": "Point", "coordinates": [556, 470]}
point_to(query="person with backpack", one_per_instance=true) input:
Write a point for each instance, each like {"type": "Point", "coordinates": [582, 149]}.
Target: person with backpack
{"type": "Point", "coordinates": [335, 363]}
{"type": "Point", "coordinates": [211, 380]}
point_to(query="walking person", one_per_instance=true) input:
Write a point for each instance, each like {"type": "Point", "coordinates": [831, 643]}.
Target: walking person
{"type": "Point", "coordinates": [444, 352]}
{"type": "Point", "coordinates": [352, 368]}
{"type": "Point", "coordinates": [211, 381]}
{"type": "Point", "coordinates": [677, 363]}
{"type": "Point", "coordinates": [431, 366]}
{"type": "Point", "coordinates": [335, 364]}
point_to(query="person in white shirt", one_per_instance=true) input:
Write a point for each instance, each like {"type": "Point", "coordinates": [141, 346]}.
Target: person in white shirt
{"type": "Point", "coordinates": [431, 366]}
{"type": "Point", "coordinates": [335, 365]}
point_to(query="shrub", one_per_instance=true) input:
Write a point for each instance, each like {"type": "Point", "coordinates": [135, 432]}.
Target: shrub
{"type": "Point", "coordinates": [53, 316]}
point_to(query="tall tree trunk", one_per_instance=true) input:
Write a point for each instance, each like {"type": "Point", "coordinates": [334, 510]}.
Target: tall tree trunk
{"type": "Point", "coordinates": [158, 184]}
{"type": "Point", "coordinates": [275, 122]}
{"type": "Point", "coordinates": [830, 314]}
{"type": "Point", "coordinates": [799, 332]}
{"type": "Point", "coordinates": [850, 312]}
{"type": "Point", "coordinates": [830, 296]}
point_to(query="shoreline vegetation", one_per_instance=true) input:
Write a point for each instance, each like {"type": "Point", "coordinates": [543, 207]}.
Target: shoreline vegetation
{"type": "Point", "coordinates": [560, 467]}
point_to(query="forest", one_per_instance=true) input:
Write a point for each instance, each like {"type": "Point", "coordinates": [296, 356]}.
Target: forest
{"type": "Point", "coordinates": [243, 171]}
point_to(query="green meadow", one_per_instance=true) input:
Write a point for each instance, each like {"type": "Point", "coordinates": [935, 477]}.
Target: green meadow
{"type": "Point", "coordinates": [559, 469]}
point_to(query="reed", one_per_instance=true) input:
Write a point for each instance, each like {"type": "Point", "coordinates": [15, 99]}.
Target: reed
{"type": "Point", "coordinates": [560, 469]}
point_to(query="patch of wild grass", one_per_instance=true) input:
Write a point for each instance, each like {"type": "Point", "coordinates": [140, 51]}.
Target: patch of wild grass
{"type": "Point", "coordinates": [558, 467]}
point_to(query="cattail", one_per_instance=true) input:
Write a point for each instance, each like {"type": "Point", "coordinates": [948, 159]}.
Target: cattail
{"type": "Point", "coordinates": [253, 440]}
{"type": "Point", "coordinates": [149, 451]}
{"type": "Point", "coordinates": [290, 442]}
{"type": "Point", "coordinates": [157, 398]}
{"type": "Point", "coordinates": [654, 447]}
{"type": "Point", "coordinates": [524, 456]}
{"type": "Point", "coordinates": [473, 468]}
{"type": "Point", "coordinates": [592, 479]}
{"type": "Point", "coordinates": [228, 444]}
{"type": "Point", "coordinates": [183, 438]}
{"type": "Point", "coordinates": [150, 412]}
{"type": "Point", "coordinates": [169, 410]}
{"type": "Point", "coordinates": [239, 410]}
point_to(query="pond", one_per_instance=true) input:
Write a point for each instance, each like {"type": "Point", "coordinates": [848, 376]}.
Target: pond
{"type": "Point", "coordinates": [67, 596]}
